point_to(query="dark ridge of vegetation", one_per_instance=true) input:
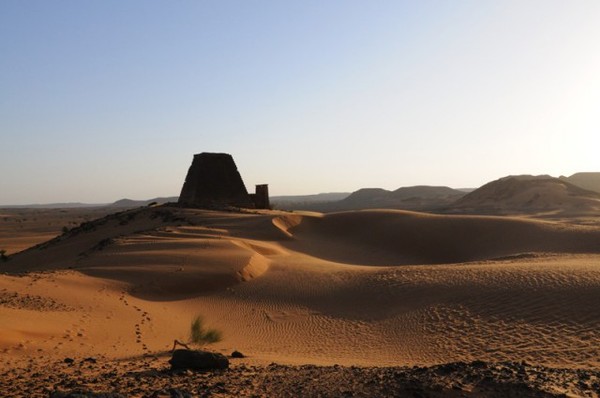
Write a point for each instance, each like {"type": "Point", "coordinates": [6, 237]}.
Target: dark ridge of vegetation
{"type": "Point", "coordinates": [166, 215]}
{"type": "Point", "coordinates": [84, 227]}
{"type": "Point", "coordinates": [125, 217]}
{"type": "Point", "coordinates": [97, 247]}
{"type": "Point", "coordinates": [122, 218]}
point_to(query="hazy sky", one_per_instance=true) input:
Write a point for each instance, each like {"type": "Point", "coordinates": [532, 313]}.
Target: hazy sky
{"type": "Point", "coordinates": [101, 100]}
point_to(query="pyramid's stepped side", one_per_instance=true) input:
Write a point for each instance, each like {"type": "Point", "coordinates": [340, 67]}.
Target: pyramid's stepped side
{"type": "Point", "coordinates": [213, 181]}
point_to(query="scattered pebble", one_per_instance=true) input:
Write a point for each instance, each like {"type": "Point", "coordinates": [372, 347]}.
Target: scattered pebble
{"type": "Point", "coordinates": [152, 378]}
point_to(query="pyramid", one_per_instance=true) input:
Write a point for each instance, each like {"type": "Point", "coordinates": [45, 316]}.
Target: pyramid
{"type": "Point", "coordinates": [213, 181]}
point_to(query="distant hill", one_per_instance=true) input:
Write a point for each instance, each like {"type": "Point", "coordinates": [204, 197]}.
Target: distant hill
{"type": "Point", "coordinates": [422, 197]}
{"type": "Point", "coordinates": [367, 198]}
{"type": "Point", "coordinates": [122, 203]}
{"type": "Point", "coordinates": [69, 205]}
{"type": "Point", "coordinates": [138, 203]}
{"type": "Point", "coordinates": [426, 192]}
{"type": "Point", "coordinates": [529, 194]}
{"type": "Point", "coordinates": [301, 200]}
{"type": "Point", "coordinates": [589, 181]}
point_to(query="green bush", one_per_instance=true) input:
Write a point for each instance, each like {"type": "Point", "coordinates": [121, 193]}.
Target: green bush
{"type": "Point", "coordinates": [201, 336]}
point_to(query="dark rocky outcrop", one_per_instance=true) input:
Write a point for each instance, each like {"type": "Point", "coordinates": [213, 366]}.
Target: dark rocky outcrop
{"type": "Point", "coordinates": [214, 181]}
{"type": "Point", "coordinates": [198, 360]}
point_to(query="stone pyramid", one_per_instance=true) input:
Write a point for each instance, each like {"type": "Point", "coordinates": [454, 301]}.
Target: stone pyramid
{"type": "Point", "coordinates": [213, 181]}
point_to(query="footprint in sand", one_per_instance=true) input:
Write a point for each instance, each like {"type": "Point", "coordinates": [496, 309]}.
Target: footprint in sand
{"type": "Point", "coordinates": [139, 337]}
{"type": "Point", "coordinates": [123, 299]}
{"type": "Point", "coordinates": [138, 334]}
{"type": "Point", "coordinates": [138, 326]}
{"type": "Point", "coordinates": [145, 317]}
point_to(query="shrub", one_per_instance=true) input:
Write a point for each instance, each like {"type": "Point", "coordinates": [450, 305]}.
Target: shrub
{"type": "Point", "coordinates": [201, 336]}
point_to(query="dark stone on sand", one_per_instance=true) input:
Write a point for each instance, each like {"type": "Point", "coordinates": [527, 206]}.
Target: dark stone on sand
{"type": "Point", "coordinates": [68, 360]}
{"type": "Point", "coordinates": [237, 354]}
{"type": "Point", "coordinates": [85, 394]}
{"type": "Point", "coordinates": [172, 393]}
{"type": "Point", "coordinates": [177, 393]}
{"type": "Point", "coordinates": [198, 360]}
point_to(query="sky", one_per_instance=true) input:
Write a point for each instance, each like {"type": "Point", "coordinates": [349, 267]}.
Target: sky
{"type": "Point", "coordinates": [103, 99]}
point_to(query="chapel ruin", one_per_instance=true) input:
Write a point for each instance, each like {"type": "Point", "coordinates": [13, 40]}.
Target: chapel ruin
{"type": "Point", "coordinates": [213, 181]}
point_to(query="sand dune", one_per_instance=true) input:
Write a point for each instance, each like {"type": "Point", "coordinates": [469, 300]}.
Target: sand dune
{"type": "Point", "coordinates": [388, 237]}
{"type": "Point", "coordinates": [355, 288]}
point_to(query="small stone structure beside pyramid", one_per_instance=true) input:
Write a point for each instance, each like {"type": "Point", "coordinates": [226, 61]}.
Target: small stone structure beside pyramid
{"type": "Point", "coordinates": [213, 181]}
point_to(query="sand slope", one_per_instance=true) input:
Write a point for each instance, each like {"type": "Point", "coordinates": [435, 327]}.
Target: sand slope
{"type": "Point", "coordinates": [387, 237]}
{"type": "Point", "coordinates": [366, 288]}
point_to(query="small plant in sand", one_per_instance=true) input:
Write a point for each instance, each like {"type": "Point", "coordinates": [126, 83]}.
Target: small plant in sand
{"type": "Point", "coordinates": [200, 335]}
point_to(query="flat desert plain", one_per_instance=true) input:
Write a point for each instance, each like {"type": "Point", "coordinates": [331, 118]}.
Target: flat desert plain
{"type": "Point", "coordinates": [342, 304]}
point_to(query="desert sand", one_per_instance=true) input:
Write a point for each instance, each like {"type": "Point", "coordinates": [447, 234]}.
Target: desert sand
{"type": "Point", "coordinates": [374, 288]}
{"type": "Point", "coordinates": [21, 228]}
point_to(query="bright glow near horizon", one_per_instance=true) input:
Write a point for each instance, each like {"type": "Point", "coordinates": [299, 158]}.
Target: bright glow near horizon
{"type": "Point", "coordinates": [102, 100]}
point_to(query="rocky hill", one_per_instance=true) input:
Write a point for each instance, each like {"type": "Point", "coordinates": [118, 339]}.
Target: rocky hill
{"type": "Point", "coordinates": [529, 194]}
{"type": "Point", "coordinates": [421, 197]}
{"type": "Point", "coordinates": [306, 202]}
{"type": "Point", "coordinates": [589, 181]}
